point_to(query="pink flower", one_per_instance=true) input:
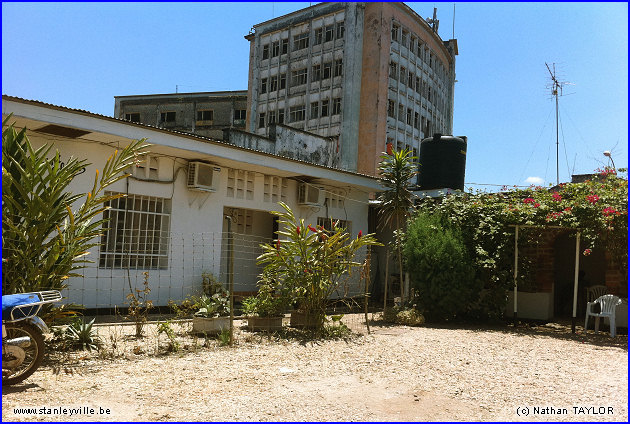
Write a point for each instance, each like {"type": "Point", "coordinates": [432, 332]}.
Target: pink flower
{"type": "Point", "coordinates": [360, 234]}
{"type": "Point", "coordinates": [529, 200]}
{"type": "Point", "coordinates": [593, 198]}
{"type": "Point", "coordinates": [536, 204]}
{"type": "Point", "coordinates": [297, 230]}
{"type": "Point", "coordinates": [556, 196]}
{"type": "Point", "coordinates": [311, 228]}
{"type": "Point", "coordinates": [610, 211]}
{"type": "Point", "coordinates": [587, 252]}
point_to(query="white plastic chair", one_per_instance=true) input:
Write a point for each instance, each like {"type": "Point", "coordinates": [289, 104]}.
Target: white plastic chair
{"type": "Point", "coordinates": [608, 303]}
{"type": "Point", "coordinates": [593, 292]}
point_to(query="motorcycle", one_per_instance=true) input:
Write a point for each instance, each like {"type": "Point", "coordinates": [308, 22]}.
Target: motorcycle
{"type": "Point", "coordinates": [23, 333]}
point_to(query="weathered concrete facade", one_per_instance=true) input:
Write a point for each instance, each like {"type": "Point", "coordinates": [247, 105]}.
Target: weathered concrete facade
{"type": "Point", "coordinates": [205, 113]}
{"type": "Point", "coordinates": [369, 73]}
{"type": "Point", "coordinates": [288, 142]}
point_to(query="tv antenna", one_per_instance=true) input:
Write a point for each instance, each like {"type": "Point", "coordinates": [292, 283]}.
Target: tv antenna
{"type": "Point", "coordinates": [556, 91]}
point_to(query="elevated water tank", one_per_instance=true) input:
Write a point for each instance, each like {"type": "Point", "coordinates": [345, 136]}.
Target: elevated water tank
{"type": "Point", "coordinates": [442, 162]}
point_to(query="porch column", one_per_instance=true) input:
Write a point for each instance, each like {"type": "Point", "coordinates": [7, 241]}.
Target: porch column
{"type": "Point", "coordinates": [575, 280]}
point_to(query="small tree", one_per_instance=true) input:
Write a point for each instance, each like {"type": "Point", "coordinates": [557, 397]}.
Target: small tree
{"type": "Point", "coordinates": [396, 169]}
{"type": "Point", "coordinates": [44, 240]}
{"type": "Point", "coordinates": [310, 264]}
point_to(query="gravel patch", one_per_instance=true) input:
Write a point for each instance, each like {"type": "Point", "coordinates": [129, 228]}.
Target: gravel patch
{"type": "Point", "coordinates": [396, 373]}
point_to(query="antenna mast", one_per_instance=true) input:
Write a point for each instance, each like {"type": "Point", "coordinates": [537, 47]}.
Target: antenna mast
{"type": "Point", "coordinates": [556, 90]}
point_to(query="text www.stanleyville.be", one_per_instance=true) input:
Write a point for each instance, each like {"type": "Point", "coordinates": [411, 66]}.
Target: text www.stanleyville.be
{"type": "Point", "coordinates": [62, 410]}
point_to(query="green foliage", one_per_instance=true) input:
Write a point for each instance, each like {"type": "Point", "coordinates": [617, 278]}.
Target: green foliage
{"type": "Point", "coordinates": [440, 269]}
{"type": "Point", "coordinates": [404, 316]}
{"type": "Point", "coordinates": [166, 328]}
{"type": "Point", "coordinates": [217, 305]}
{"type": "Point", "coordinates": [309, 264]}
{"type": "Point", "coordinates": [44, 240]}
{"type": "Point", "coordinates": [224, 337]}
{"type": "Point", "coordinates": [77, 335]}
{"type": "Point", "coordinates": [397, 199]}
{"type": "Point", "coordinates": [210, 284]}
{"type": "Point", "coordinates": [598, 207]}
{"type": "Point", "coordinates": [265, 303]}
{"type": "Point", "coordinates": [139, 305]}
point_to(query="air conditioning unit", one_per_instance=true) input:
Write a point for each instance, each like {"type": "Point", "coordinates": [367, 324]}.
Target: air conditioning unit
{"type": "Point", "coordinates": [310, 195]}
{"type": "Point", "coordinates": [202, 177]}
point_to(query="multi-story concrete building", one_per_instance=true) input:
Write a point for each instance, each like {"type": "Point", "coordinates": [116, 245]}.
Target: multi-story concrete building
{"type": "Point", "coordinates": [367, 73]}
{"type": "Point", "coordinates": [205, 114]}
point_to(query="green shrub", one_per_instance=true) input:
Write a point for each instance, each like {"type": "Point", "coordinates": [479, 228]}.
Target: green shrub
{"type": "Point", "coordinates": [404, 316]}
{"type": "Point", "coordinates": [440, 270]}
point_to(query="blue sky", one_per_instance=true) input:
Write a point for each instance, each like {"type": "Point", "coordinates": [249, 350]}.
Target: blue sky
{"type": "Point", "coordinates": [81, 55]}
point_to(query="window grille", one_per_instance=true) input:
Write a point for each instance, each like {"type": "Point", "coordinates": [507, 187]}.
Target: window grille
{"type": "Point", "coordinates": [136, 233]}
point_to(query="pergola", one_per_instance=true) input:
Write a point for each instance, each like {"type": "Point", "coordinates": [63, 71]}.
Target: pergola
{"type": "Point", "coordinates": [577, 266]}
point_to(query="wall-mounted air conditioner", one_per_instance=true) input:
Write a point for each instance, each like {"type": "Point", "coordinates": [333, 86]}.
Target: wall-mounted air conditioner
{"type": "Point", "coordinates": [203, 177]}
{"type": "Point", "coordinates": [310, 195]}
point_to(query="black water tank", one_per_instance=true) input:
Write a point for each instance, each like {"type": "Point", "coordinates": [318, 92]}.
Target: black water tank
{"type": "Point", "coordinates": [442, 162]}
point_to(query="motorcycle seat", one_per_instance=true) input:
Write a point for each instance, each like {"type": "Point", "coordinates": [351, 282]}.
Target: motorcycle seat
{"type": "Point", "coordinates": [18, 306]}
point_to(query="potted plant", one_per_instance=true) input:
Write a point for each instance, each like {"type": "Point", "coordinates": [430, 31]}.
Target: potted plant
{"type": "Point", "coordinates": [213, 313]}
{"type": "Point", "coordinates": [265, 310]}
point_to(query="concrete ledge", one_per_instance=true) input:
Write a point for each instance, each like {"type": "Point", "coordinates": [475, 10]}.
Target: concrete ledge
{"type": "Point", "coordinates": [531, 305]}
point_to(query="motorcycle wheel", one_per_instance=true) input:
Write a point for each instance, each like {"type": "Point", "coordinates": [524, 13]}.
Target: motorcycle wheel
{"type": "Point", "coordinates": [32, 355]}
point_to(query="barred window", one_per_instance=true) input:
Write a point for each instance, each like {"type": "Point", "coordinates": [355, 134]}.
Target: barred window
{"type": "Point", "coordinates": [327, 70]}
{"type": "Point", "coordinates": [393, 70]}
{"type": "Point", "coordinates": [136, 233]}
{"type": "Point", "coordinates": [391, 108]}
{"type": "Point", "coordinates": [263, 85]}
{"type": "Point", "coordinates": [340, 30]}
{"type": "Point", "coordinates": [395, 29]}
{"type": "Point", "coordinates": [319, 34]}
{"type": "Point", "coordinates": [133, 117]}
{"type": "Point", "coordinates": [316, 73]}
{"type": "Point", "coordinates": [273, 83]}
{"type": "Point", "coordinates": [275, 49]}
{"type": "Point", "coordinates": [283, 81]}
{"type": "Point", "coordinates": [265, 51]}
{"type": "Point", "coordinates": [325, 107]}
{"type": "Point", "coordinates": [284, 46]}
{"type": "Point", "coordinates": [261, 120]}
{"type": "Point", "coordinates": [330, 32]}
{"type": "Point", "coordinates": [314, 110]}
{"type": "Point", "coordinates": [281, 116]}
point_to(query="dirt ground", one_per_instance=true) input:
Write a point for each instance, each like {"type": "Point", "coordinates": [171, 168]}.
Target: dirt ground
{"type": "Point", "coordinates": [396, 373]}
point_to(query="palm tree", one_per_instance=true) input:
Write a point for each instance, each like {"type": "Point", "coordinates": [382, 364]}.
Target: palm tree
{"type": "Point", "coordinates": [396, 169]}
{"type": "Point", "coordinates": [45, 241]}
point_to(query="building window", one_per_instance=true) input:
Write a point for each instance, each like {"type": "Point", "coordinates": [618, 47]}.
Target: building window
{"type": "Point", "coordinates": [263, 86]}
{"type": "Point", "coordinates": [298, 77]}
{"type": "Point", "coordinates": [314, 110]}
{"type": "Point", "coordinates": [395, 30]}
{"type": "Point", "coordinates": [239, 114]}
{"type": "Point", "coordinates": [411, 79]}
{"type": "Point", "coordinates": [412, 43]}
{"type": "Point", "coordinates": [391, 108]}
{"type": "Point", "coordinates": [272, 117]}
{"type": "Point", "coordinates": [281, 116]}
{"type": "Point", "coordinates": [284, 46]}
{"type": "Point", "coordinates": [423, 126]}
{"type": "Point", "coordinates": [265, 52]}
{"type": "Point", "coordinates": [405, 37]}
{"type": "Point", "coordinates": [133, 117]}
{"type": "Point", "coordinates": [136, 233]}
{"type": "Point", "coordinates": [273, 83]}
{"type": "Point", "coordinates": [420, 50]}
{"type": "Point", "coordinates": [418, 85]}
{"type": "Point", "coordinates": [336, 106]}
{"type": "Point", "coordinates": [300, 41]}
{"type": "Point", "coordinates": [416, 120]}
{"type": "Point", "coordinates": [325, 107]}
{"type": "Point", "coordinates": [316, 73]}
{"type": "Point", "coordinates": [327, 69]}
{"type": "Point", "coordinates": [393, 70]}
{"type": "Point", "coordinates": [403, 75]}
{"type": "Point", "coordinates": [338, 68]}
{"type": "Point", "coordinates": [401, 112]}
{"type": "Point", "coordinates": [409, 116]}
{"type": "Point", "coordinates": [283, 81]}
{"type": "Point", "coordinates": [297, 113]}
{"type": "Point", "coordinates": [205, 115]}
{"type": "Point", "coordinates": [429, 94]}
{"type": "Point", "coordinates": [275, 48]}
{"type": "Point", "coordinates": [261, 120]}
{"type": "Point", "coordinates": [330, 33]}
{"type": "Point", "coordinates": [167, 117]}
{"type": "Point", "coordinates": [319, 36]}
{"type": "Point", "coordinates": [340, 30]}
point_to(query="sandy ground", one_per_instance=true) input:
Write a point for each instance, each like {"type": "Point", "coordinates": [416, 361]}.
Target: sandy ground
{"type": "Point", "coordinates": [396, 373]}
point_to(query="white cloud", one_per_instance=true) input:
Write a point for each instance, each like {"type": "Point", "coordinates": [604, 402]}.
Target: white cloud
{"type": "Point", "coordinates": [534, 181]}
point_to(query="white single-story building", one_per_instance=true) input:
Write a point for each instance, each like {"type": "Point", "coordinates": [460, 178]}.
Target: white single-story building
{"type": "Point", "coordinates": [172, 222]}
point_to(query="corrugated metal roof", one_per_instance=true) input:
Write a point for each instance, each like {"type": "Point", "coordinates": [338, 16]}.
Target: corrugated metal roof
{"type": "Point", "coordinates": [184, 134]}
